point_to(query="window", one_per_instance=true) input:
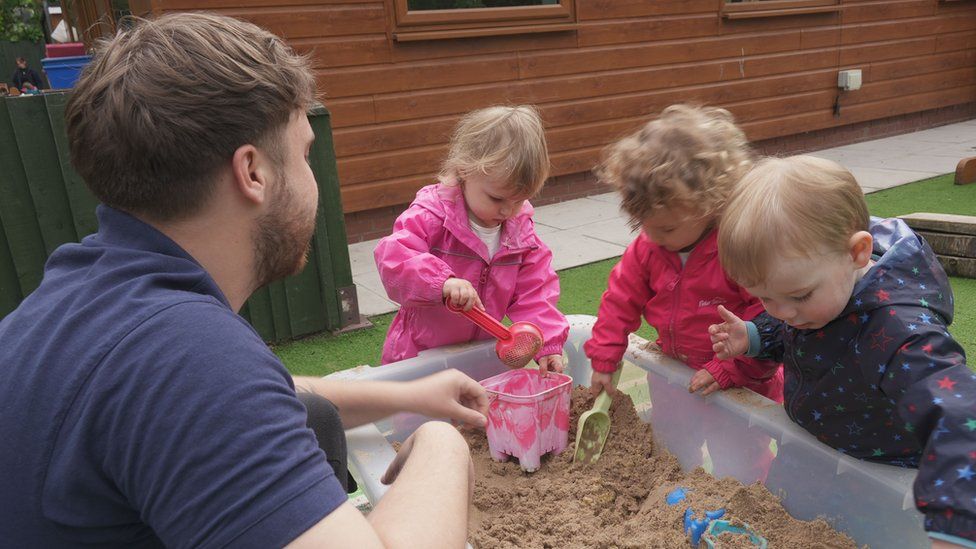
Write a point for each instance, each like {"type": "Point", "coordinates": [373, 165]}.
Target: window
{"type": "Point", "coordinates": [749, 9]}
{"type": "Point", "coordinates": [430, 19]}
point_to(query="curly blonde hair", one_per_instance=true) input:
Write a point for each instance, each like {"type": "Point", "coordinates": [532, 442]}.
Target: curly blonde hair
{"type": "Point", "coordinates": [502, 141]}
{"type": "Point", "coordinates": [688, 157]}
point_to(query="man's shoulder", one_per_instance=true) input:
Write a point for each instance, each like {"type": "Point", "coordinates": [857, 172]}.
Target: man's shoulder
{"type": "Point", "coordinates": [195, 331]}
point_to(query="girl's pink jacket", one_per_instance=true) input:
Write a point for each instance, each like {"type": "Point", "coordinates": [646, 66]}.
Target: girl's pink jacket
{"type": "Point", "coordinates": [432, 242]}
{"type": "Point", "coordinates": [680, 303]}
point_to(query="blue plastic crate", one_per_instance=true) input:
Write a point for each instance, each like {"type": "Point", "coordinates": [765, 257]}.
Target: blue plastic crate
{"type": "Point", "coordinates": [62, 72]}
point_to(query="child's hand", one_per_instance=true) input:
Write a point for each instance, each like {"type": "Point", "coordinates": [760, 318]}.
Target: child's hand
{"type": "Point", "coordinates": [939, 544]}
{"type": "Point", "coordinates": [551, 363]}
{"type": "Point", "coordinates": [730, 338]}
{"type": "Point", "coordinates": [702, 380]}
{"type": "Point", "coordinates": [601, 381]}
{"type": "Point", "coordinates": [460, 293]}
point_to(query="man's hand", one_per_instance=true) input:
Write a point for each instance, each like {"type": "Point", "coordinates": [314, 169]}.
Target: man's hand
{"type": "Point", "coordinates": [450, 395]}
{"type": "Point", "coordinates": [730, 338]}
{"type": "Point", "coordinates": [704, 382]}
{"type": "Point", "coordinates": [601, 381]}
{"type": "Point", "coordinates": [551, 363]}
{"type": "Point", "coordinates": [461, 294]}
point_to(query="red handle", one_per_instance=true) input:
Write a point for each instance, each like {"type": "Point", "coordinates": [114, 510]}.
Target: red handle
{"type": "Point", "coordinates": [484, 321]}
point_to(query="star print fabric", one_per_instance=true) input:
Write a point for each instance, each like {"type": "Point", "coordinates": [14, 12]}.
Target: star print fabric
{"type": "Point", "coordinates": [886, 382]}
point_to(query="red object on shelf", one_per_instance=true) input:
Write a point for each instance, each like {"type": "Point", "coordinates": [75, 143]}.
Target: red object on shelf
{"type": "Point", "coordinates": [70, 49]}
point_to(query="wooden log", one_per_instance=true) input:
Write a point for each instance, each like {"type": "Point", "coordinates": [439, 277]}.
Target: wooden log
{"type": "Point", "coordinates": [941, 223]}
{"type": "Point", "coordinates": [959, 245]}
{"type": "Point", "coordinates": [958, 266]}
{"type": "Point", "coordinates": [966, 171]}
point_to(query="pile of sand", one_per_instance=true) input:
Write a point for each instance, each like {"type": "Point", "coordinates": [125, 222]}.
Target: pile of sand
{"type": "Point", "coordinates": [620, 500]}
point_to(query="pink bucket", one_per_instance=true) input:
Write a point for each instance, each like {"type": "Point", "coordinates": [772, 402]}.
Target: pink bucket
{"type": "Point", "coordinates": [528, 415]}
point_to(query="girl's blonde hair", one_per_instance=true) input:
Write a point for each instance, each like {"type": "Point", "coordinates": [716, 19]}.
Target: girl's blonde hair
{"type": "Point", "coordinates": [501, 141]}
{"type": "Point", "coordinates": [800, 206]}
{"type": "Point", "coordinates": [688, 157]}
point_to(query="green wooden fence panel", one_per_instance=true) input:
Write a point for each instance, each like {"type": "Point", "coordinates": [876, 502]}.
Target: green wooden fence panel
{"type": "Point", "coordinates": [279, 310]}
{"type": "Point", "coordinates": [17, 209]}
{"type": "Point", "coordinates": [259, 310]}
{"type": "Point", "coordinates": [44, 203]}
{"type": "Point", "coordinates": [303, 294]}
{"type": "Point", "coordinates": [329, 245]}
{"type": "Point", "coordinates": [42, 165]}
{"type": "Point", "coordinates": [81, 201]}
{"type": "Point", "coordinates": [10, 294]}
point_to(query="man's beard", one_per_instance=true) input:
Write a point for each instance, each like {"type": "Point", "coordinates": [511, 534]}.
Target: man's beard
{"type": "Point", "coordinates": [283, 238]}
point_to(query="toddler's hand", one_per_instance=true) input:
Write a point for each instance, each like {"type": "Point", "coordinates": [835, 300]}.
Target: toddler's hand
{"type": "Point", "coordinates": [730, 338]}
{"type": "Point", "coordinates": [460, 293]}
{"type": "Point", "coordinates": [551, 363]}
{"type": "Point", "coordinates": [601, 381]}
{"type": "Point", "coordinates": [702, 380]}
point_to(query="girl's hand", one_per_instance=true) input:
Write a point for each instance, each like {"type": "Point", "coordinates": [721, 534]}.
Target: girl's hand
{"type": "Point", "coordinates": [461, 294]}
{"type": "Point", "coordinates": [551, 363]}
{"type": "Point", "coordinates": [702, 380]}
{"type": "Point", "coordinates": [730, 338]}
{"type": "Point", "coordinates": [601, 381]}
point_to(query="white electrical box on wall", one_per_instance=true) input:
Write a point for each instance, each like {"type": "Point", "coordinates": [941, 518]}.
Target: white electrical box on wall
{"type": "Point", "coordinates": [848, 80]}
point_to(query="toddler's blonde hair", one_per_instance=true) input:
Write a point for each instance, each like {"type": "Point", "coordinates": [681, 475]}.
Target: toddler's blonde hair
{"type": "Point", "coordinates": [688, 157]}
{"type": "Point", "coordinates": [800, 206]}
{"type": "Point", "coordinates": [501, 141]}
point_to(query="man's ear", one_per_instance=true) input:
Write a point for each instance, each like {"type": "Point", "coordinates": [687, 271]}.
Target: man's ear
{"type": "Point", "coordinates": [250, 174]}
{"type": "Point", "coordinates": [861, 245]}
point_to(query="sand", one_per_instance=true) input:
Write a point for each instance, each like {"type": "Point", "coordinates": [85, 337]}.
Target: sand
{"type": "Point", "coordinates": [620, 500]}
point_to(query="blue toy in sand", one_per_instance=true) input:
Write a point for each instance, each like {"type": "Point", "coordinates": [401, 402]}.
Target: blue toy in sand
{"type": "Point", "coordinates": [676, 496]}
{"type": "Point", "coordinates": [696, 527]}
{"type": "Point", "coordinates": [719, 527]}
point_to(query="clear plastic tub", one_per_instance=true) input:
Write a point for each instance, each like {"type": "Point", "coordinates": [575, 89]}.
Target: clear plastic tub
{"type": "Point", "coordinates": [528, 416]}
{"type": "Point", "coordinates": [872, 503]}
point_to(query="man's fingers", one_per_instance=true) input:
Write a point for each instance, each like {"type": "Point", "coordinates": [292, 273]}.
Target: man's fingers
{"type": "Point", "coordinates": [469, 416]}
{"type": "Point", "coordinates": [474, 394]}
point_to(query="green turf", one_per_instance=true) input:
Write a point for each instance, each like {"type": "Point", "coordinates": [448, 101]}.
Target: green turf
{"type": "Point", "coordinates": [583, 286]}
{"type": "Point", "coordinates": [938, 195]}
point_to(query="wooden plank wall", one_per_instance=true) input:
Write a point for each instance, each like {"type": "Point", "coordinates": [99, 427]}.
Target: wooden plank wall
{"type": "Point", "coordinates": [393, 104]}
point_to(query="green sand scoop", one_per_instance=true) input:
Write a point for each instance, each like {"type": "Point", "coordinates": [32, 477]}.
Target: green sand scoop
{"type": "Point", "coordinates": [594, 427]}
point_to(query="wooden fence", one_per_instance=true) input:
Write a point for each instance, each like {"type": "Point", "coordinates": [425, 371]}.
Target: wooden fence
{"type": "Point", "coordinates": [44, 203]}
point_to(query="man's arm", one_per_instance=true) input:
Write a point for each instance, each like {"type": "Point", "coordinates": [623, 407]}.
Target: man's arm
{"type": "Point", "coordinates": [427, 505]}
{"type": "Point", "coordinates": [444, 395]}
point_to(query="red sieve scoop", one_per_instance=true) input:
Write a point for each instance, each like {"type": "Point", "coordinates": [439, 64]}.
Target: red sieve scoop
{"type": "Point", "coordinates": [517, 344]}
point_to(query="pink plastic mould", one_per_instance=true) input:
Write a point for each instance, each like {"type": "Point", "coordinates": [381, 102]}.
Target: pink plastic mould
{"type": "Point", "coordinates": [528, 415]}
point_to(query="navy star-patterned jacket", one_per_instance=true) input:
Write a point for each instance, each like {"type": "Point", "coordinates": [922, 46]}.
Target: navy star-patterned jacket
{"type": "Point", "coordinates": [886, 382]}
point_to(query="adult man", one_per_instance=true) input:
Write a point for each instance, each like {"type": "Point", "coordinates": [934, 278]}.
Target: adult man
{"type": "Point", "coordinates": [136, 407]}
{"type": "Point", "coordinates": [25, 75]}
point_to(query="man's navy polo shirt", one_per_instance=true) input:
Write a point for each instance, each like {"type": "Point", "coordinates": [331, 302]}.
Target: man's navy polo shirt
{"type": "Point", "coordinates": [137, 409]}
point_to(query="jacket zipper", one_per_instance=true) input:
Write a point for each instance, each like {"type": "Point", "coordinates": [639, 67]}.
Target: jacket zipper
{"type": "Point", "coordinates": [675, 293]}
{"type": "Point", "coordinates": [675, 287]}
{"type": "Point", "coordinates": [482, 284]}
{"type": "Point", "coordinates": [796, 392]}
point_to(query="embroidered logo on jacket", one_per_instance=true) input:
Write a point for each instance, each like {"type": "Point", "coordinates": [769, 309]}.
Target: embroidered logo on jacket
{"type": "Point", "coordinates": [710, 302]}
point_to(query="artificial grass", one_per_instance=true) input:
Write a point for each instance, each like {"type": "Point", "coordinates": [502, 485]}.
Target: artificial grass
{"type": "Point", "coordinates": [936, 195]}
{"type": "Point", "coordinates": [583, 286]}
